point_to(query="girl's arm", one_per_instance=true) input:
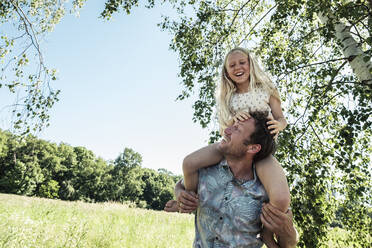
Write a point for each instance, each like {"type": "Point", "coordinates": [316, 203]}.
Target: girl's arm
{"type": "Point", "coordinates": [275, 183]}
{"type": "Point", "coordinates": [201, 158]}
{"type": "Point", "coordinates": [279, 122]}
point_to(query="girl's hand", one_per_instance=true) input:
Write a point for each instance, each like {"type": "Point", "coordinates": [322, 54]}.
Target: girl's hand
{"type": "Point", "coordinates": [241, 116]}
{"type": "Point", "coordinates": [171, 206]}
{"type": "Point", "coordinates": [274, 126]}
{"type": "Point", "coordinates": [187, 202]}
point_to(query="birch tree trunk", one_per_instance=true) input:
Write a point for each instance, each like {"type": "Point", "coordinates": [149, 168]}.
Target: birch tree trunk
{"type": "Point", "coordinates": [358, 60]}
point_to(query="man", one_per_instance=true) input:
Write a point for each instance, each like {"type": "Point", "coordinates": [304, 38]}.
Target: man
{"type": "Point", "coordinates": [230, 196]}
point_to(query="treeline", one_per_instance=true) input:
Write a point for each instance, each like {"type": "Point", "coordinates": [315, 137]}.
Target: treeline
{"type": "Point", "coordinates": [35, 167]}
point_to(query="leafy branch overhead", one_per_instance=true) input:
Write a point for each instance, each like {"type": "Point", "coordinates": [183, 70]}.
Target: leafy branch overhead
{"type": "Point", "coordinates": [319, 56]}
{"type": "Point", "coordinates": [318, 53]}
{"type": "Point", "coordinates": [27, 23]}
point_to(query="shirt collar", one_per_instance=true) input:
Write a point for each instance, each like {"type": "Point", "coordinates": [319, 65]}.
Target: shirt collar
{"type": "Point", "coordinates": [245, 183]}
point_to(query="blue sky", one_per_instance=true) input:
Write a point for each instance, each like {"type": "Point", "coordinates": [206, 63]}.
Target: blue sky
{"type": "Point", "coordinates": [118, 83]}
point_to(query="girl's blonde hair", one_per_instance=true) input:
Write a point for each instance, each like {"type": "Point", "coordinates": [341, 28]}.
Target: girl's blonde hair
{"type": "Point", "coordinates": [257, 78]}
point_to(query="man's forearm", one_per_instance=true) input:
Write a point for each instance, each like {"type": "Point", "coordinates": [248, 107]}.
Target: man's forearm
{"type": "Point", "coordinates": [289, 241]}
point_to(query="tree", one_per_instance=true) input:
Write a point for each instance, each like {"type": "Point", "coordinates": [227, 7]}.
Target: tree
{"type": "Point", "coordinates": [145, 187]}
{"type": "Point", "coordinates": [20, 172]}
{"type": "Point", "coordinates": [127, 184]}
{"type": "Point", "coordinates": [65, 176]}
{"type": "Point", "coordinates": [319, 53]}
{"type": "Point", "coordinates": [44, 157]}
{"type": "Point", "coordinates": [34, 167]}
{"type": "Point", "coordinates": [158, 189]}
{"type": "Point", "coordinates": [128, 159]}
{"type": "Point", "coordinates": [28, 21]}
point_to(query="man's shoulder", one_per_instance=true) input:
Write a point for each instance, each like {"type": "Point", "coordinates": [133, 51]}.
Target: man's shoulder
{"type": "Point", "coordinates": [219, 170]}
{"type": "Point", "coordinates": [220, 165]}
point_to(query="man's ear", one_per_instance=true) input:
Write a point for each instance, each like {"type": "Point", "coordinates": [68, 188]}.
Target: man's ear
{"type": "Point", "coordinates": [254, 148]}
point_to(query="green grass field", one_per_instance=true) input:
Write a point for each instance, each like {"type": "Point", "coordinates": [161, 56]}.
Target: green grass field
{"type": "Point", "coordinates": [35, 222]}
{"type": "Point", "coordinates": [27, 222]}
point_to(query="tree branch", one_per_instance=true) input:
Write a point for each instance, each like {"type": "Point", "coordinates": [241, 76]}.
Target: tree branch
{"type": "Point", "coordinates": [6, 66]}
{"type": "Point", "coordinates": [303, 133]}
{"type": "Point", "coordinates": [237, 13]}
{"type": "Point", "coordinates": [369, 17]}
{"type": "Point", "coordinates": [334, 76]}
{"type": "Point", "coordinates": [252, 9]}
{"type": "Point", "coordinates": [306, 107]}
{"type": "Point", "coordinates": [357, 34]}
{"type": "Point", "coordinates": [33, 36]}
{"type": "Point", "coordinates": [259, 21]}
{"type": "Point", "coordinates": [320, 141]}
{"type": "Point", "coordinates": [318, 63]}
{"type": "Point", "coordinates": [227, 4]}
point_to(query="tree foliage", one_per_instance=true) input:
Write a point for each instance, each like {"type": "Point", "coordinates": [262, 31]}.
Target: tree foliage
{"type": "Point", "coordinates": [23, 26]}
{"type": "Point", "coordinates": [319, 55]}
{"type": "Point", "coordinates": [35, 167]}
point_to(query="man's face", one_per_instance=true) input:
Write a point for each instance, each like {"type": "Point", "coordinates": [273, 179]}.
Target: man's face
{"type": "Point", "coordinates": [234, 137]}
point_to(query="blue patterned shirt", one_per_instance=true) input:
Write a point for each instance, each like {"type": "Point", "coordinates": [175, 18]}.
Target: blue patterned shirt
{"type": "Point", "coordinates": [228, 212]}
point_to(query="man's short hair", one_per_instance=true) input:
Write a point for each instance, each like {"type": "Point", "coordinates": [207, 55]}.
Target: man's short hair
{"type": "Point", "coordinates": [262, 136]}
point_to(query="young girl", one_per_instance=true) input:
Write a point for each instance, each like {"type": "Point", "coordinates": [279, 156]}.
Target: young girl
{"type": "Point", "coordinates": [246, 88]}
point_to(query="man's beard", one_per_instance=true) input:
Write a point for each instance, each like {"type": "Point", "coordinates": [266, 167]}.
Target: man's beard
{"type": "Point", "coordinates": [232, 152]}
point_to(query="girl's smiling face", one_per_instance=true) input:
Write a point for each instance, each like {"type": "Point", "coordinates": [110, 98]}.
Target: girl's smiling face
{"type": "Point", "coordinates": [237, 67]}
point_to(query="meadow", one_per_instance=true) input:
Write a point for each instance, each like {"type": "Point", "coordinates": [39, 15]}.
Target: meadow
{"type": "Point", "coordinates": [31, 222]}
{"type": "Point", "coordinates": [36, 222]}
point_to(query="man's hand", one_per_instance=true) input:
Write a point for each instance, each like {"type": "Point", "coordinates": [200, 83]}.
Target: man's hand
{"type": "Point", "coordinates": [281, 224]}
{"type": "Point", "coordinates": [268, 238]}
